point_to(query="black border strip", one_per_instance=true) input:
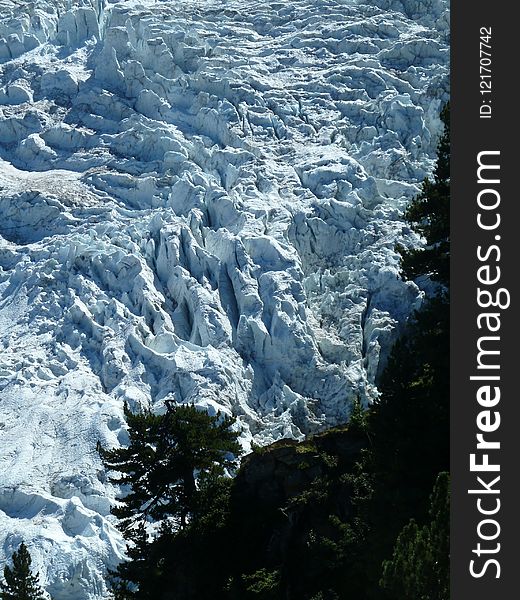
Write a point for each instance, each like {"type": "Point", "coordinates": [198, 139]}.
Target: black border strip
{"type": "Point", "coordinates": [470, 135]}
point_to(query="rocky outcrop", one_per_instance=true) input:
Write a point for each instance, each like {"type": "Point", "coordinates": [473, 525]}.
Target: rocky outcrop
{"type": "Point", "coordinates": [272, 476]}
{"type": "Point", "coordinates": [285, 497]}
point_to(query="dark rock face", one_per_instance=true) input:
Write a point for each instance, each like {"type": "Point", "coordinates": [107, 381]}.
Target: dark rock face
{"type": "Point", "coordinates": [295, 492]}
{"type": "Point", "coordinates": [285, 469]}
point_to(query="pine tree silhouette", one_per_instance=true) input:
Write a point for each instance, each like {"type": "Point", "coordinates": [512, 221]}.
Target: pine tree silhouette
{"type": "Point", "coordinates": [171, 462]}
{"type": "Point", "coordinates": [419, 568]}
{"type": "Point", "coordinates": [20, 583]}
{"type": "Point", "coordinates": [429, 215]}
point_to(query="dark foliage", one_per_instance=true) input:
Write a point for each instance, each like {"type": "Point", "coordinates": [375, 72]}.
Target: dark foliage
{"type": "Point", "coordinates": [291, 512]}
{"type": "Point", "coordinates": [159, 466]}
{"type": "Point", "coordinates": [429, 215]}
{"type": "Point", "coordinates": [419, 567]}
{"type": "Point", "coordinates": [19, 582]}
{"type": "Point", "coordinates": [160, 462]}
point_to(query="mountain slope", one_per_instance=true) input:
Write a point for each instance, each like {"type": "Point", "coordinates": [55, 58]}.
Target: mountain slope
{"type": "Point", "coordinates": [199, 200]}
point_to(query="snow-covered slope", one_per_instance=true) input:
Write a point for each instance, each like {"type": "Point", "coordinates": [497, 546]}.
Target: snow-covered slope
{"type": "Point", "coordinates": [199, 200]}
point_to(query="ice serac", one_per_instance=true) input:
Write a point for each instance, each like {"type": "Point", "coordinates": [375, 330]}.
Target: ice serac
{"type": "Point", "coordinates": [199, 202]}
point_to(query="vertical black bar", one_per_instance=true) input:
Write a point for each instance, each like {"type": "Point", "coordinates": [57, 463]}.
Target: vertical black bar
{"type": "Point", "coordinates": [484, 121]}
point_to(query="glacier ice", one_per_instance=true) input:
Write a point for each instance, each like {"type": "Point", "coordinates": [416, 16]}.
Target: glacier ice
{"type": "Point", "coordinates": [199, 201]}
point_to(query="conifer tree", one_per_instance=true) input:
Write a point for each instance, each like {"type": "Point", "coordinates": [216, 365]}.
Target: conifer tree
{"type": "Point", "coordinates": [409, 424]}
{"type": "Point", "coordinates": [160, 463]}
{"type": "Point", "coordinates": [419, 568]}
{"type": "Point", "coordinates": [20, 583]}
{"type": "Point", "coordinates": [429, 215]}
{"type": "Point", "coordinates": [165, 458]}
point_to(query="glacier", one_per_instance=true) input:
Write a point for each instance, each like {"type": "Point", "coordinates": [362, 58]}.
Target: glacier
{"type": "Point", "coordinates": [199, 201]}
